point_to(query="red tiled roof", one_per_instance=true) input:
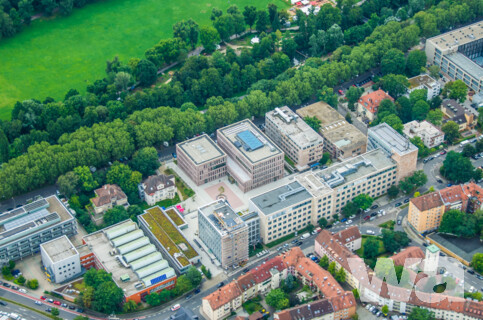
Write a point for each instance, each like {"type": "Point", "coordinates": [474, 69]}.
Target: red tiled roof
{"type": "Point", "coordinates": [338, 251]}
{"type": "Point", "coordinates": [106, 193]}
{"type": "Point", "coordinates": [473, 190]}
{"type": "Point", "coordinates": [262, 272]}
{"type": "Point", "coordinates": [453, 194]}
{"type": "Point", "coordinates": [223, 295]}
{"type": "Point", "coordinates": [348, 235]}
{"type": "Point", "coordinates": [408, 253]}
{"type": "Point", "coordinates": [246, 281]}
{"type": "Point", "coordinates": [427, 201]}
{"type": "Point", "coordinates": [371, 101]}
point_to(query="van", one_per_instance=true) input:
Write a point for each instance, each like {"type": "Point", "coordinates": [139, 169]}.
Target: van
{"type": "Point", "coordinates": [463, 143]}
{"type": "Point", "coordinates": [175, 307]}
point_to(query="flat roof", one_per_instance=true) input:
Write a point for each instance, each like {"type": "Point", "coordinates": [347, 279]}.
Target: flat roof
{"type": "Point", "coordinates": [297, 130]}
{"type": "Point", "coordinates": [414, 128]}
{"type": "Point", "coordinates": [422, 79]}
{"type": "Point", "coordinates": [250, 141]}
{"type": "Point", "coordinates": [391, 139]}
{"type": "Point", "coordinates": [281, 197]}
{"type": "Point", "coordinates": [59, 249]}
{"type": "Point", "coordinates": [469, 66]}
{"type": "Point", "coordinates": [336, 176]}
{"type": "Point", "coordinates": [459, 36]}
{"type": "Point", "coordinates": [334, 127]}
{"type": "Point", "coordinates": [462, 247]}
{"type": "Point", "coordinates": [222, 217]}
{"type": "Point", "coordinates": [201, 149]}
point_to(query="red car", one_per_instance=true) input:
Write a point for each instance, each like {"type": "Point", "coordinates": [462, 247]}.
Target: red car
{"type": "Point", "coordinates": [341, 92]}
{"type": "Point", "coordinates": [367, 218]}
{"type": "Point", "coordinates": [442, 152]}
{"type": "Point", "coordinates": [43, 297]}
{"type": "Point", "coordinates": [57, 303]}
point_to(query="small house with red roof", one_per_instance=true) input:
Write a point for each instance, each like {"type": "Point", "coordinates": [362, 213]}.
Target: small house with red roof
{"type": "Point", "coordinates": [368, 104]}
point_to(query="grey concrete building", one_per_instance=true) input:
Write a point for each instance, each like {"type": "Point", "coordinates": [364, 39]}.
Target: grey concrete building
{"type": "Point", "coordinates": [23, 229]}
{"type": "Point", "coordinates": [224, 232]}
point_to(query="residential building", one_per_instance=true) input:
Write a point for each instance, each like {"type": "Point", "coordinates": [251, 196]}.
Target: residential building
{"type": "Point", "coordinates": [164, 232]}
{"type": "Point", "coordinates": [296, 138]}
{"type": "Point", "coordinates": [60, 260]}
{"type": "Point", "coordinates": [453, 111]}
{"type": "Point", "coordinates": [220, 304]}
{"type": "Point", "coordinates": [108, 196]}
{"type": "Point", "coordinates": [403, 257]}
{"type": "Point", "coordinates": [341, 139]}
{"type": "Point", "coordinates": [224, 232]}
{"type": "Point", "coordinates": [431, 262]}
{"type": "Point", "coordinates": [425, 212]}
{"type": "Point", "coordinates": [282, 211]}
{"type": "Point", "coordinates": [424, 81]}
{"type": "Point", "coordinates": [156, 188]}
{"type": "Point", "coordinates": [371, 173]}
{"type": "Point", "coordinates": [398, 147]}
{"type": "Point", "coordinates": [201, 159]}
{"type": "Point", "coordinates": [253, 159]}
{"type": "Point", "coordinates": [324, 309]}
{"type": "Point", "coordinates": [368, 104]}
{"type": "Point", "coordinates": [23, 229]}
{"type": "Point", "coordinates": [247, 285]}
{"type": "Point", "coordinates": [268, 275]}
{"type": "Point", "coordinates": [430, 135]}
{"type": "Point", "coordinates": [137, 267]}
{"type": "Point", "coordinates": [458, 54]}
{"type": "Point", "coordinates": [350, 237]}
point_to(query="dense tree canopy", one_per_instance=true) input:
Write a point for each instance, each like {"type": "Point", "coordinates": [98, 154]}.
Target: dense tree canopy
{"type": "Point", "coordinates": [457, 168]}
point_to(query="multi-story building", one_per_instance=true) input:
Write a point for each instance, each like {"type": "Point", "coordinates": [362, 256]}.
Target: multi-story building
{"type": "Point", "coordinates": [282, 211]}
{"type": "Point", "coordinates": [368, 104]}
{"type": "Point", "coordinates": [458, 54]}
{"type": "Point", "coordinates": [219, 304]}
{"type": "Point", "coordinates": [136, 265]}
{"type": "Point", "coordinates": [425, 212]}
{"type": "Point", "coordinates": [453, 111]}
{"type": "Point", "coordinates": [253, 159]}
{"type": "Point", "coordinates": [224, 232]}
{"type": "Point", "coordinates": [252, 220]}
{"type": "Point", "coordinates": [350, 237]}
{"type": "Point", "coordinates": [429, 133]}
{"type": "Point", "coordinates": [108, 196]}
{"type": "Point", "coordinates": [23, 229]}
{"type": "Point", "coordinates": [398, 147]}
{"type": "Point", "coordinates": [341, 139]}
{"type": "Point", "coordinates": [60, 260]}
{"type": "Point", "coordinates": [164, 230]}
{"type": "Point", "coordinates": [371, 173]}
{"type": "Point", "coordinates": [296, 138]}
{"type": "Point", "coordinates": [424, 81]}
{"type": "Point", "coordinates": [156, 188]}
{"type": "Point", "coordinates": [201, 159]}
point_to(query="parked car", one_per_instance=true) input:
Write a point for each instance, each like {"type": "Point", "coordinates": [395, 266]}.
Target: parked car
{"type": "Point", "coordinates": [6, 284]}
{"type": "Point", "coordinates": [50, 300]}
{"type": "Point", "coordinates": [406, 200]}
{"type": "Point", "coordinates": [443, 152]}
{"type": "Point", "coordinates": [373, 214]}
{"type": "Point", "coordinates": [370, 232]}
{"type": "Point", "coordinates": [367, 218]}
{"type": "Point", "coordinates": [343, 220]}
{"type": "Point", "coordinates": [64, 305]}
{"type": "Point", "coordinates": [72, 307]}
{"type": "Point", "coordinates": [348, 221]}
{"type": "Point", "coordinates": [57, 303]}
{"type": "Point", "coordinates": [439, 180]}
{"type": "Point", "coordinates": [175, 307]}
{"type": "Point", "coordinates": [15, 288]}
{"type": "Point", "coordinates": [3, 303]}
{"type": "Point", "coordinates": [43, 297]}
{"type": "Point", "coordinates": [49, 310]}
{"type": "Point", "coordinates": [398, 204]}
{"type": "Point", "coordinates": [198, 290]}
{"type": "Point", "coordinates": [374, 207]}
{"type": "Point", "coordinates": [470, 271]}
{"type": "Point", "coordinates": [221, 284]}
{"type": "Point", "coordinates": [80, 310]}
{"type": "Point", "coordinates": [39, 303]}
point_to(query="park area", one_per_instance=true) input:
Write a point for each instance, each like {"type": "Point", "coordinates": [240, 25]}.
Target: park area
{"type": "Point", "coordinates": [54, 55]}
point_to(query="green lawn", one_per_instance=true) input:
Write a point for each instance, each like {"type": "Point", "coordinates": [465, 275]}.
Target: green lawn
{"type": "Point", "coordinates": [54, 55]}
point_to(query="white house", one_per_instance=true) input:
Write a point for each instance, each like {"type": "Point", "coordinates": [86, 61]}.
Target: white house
{"type": "Point", "coordinates": [157, 188]}
{"type": "Point", "coordinates": [425, 82]}
{"type": "Point", "coordinates": [429, 133]}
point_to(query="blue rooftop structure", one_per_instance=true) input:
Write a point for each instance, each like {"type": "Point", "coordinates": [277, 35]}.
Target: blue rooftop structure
{"type": "Point", "coordinates": [249, 141]}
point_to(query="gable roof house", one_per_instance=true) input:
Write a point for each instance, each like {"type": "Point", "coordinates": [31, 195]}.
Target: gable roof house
{"type": "Point", "coordinates": [156, 188]}
{"type": "Point", "coordinates": [108, 196]}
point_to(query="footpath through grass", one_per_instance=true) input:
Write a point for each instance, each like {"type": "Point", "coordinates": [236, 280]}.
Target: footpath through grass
{"type": "Point", "coordinates": [54, 55]}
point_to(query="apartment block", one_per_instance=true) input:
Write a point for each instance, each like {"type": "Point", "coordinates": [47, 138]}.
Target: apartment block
{"type": "Point", "coordinates": [425, 212]}
{"type": "Point", "coordinates": [296, 138]}
{"type": "Point", "coordinates": [398, 147]}
{"type": "Point", "coordinates": [224, 232]}
{"type": "Point", "coordinates": [60, 259]}
{"type": "Point", "coordinates": [429, 133]}
{"type": "Point", "coordinates": [341, 139]}
{"type": "Point", "coordinates": [424, 81]}
{"type": "Point", "coordinates": [23, 229]}
{"type": "Point", "coordinates": [253, 159]}
{"type": "Point", "coordinates": [458, 53]}
{"type": "Point", "coordinates": [201, 159]}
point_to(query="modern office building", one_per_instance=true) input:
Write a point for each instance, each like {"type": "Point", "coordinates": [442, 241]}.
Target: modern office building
{"type": "Point", "coordinates": [60, 259]}
{"type": "Point", "coordinates": [429, 133]}
{"type": "Point", "coordinates": [252, 219]}
{"type": "Point", "coordinates": [23, 229]}
{"type": "Point", "coordinates": [341, 139]}
{"type": "Point", "coordinates": [296, 138]}
{"type": "Point", "coordinates": [398, 147]}
{"type": "Point", "coordinates": [283, 210]}
{"type": "Point", "coordinates": [224, 232]}
{"type": "Point", "coordinates": [368, 104]}
{"type": "Point", "coordinates": [424, 81]}
{"type": "Point", "coordinates": [201, 159]}
{"type": "Point", "coordinates": [137, 267]}
{"type": "Point", "coordinates": [253, 159]}
{"type": "Point", "coordinates": [459, 55]}
{"type": "Point", "coordinates": [371, 173]}
{"type": "Point", "coordinates": [164, 231]}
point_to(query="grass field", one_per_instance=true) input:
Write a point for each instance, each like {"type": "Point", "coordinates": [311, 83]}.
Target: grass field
{"type": "Point", "coordinates": [52, 56]}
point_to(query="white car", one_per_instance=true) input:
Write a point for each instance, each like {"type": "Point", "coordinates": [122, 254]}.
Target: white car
{"type": "Point", "coordinates": [348, 221]}
{"type": "Point", "coordinates": [39, 303]}
{"type": "Point", "coordinates": [370, 232]}
{"type": "Point", "coordinates": [352, 217]}
{"type": "Point", "coordinates": [368, 306]}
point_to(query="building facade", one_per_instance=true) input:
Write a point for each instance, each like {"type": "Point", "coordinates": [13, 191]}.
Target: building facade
{"type": "Point", "coordinates": [368, 104]}
{"type": "Point", "coordinates": [108, 196]}
{"type": "Point", "coordinates": [156, 188]}
{"type": "Point", "coordinates": [424, 81]}
{"type": "Point", "coordinates": [224, 232]}
{"type": "Point", "coordinates": [453, 111]}
{"type": "Point", "coordinates": [60, 259]}
{"type": "Point", "coordinates": [25, 228]}
{"type": "Point", "coordinates": [458, 54]}
{"type": "Point", "coordinates": [201, 159]}
{"type": "Point", "coordinates": [429, 134]}
{"type": "Point", "coordinates": [296, 138]}
{"type": "Point", "coordinates": [253, 159]}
